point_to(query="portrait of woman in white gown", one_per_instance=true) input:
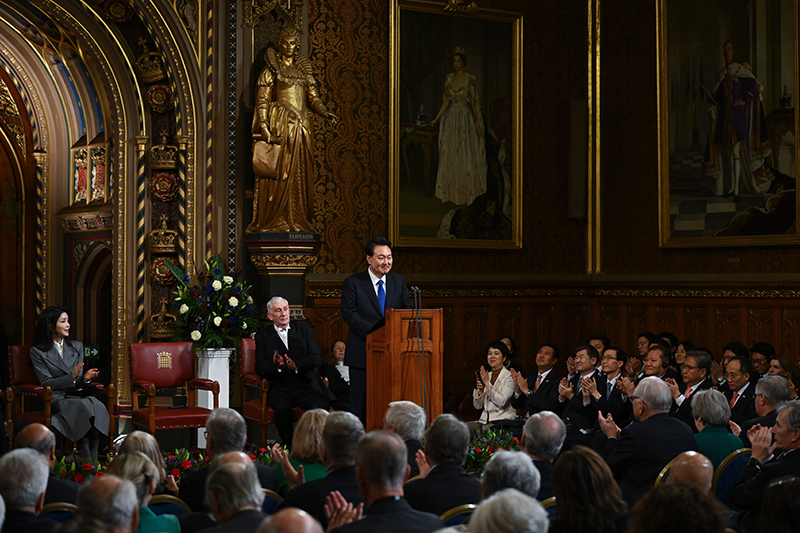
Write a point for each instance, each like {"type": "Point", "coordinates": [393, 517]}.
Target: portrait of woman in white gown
{"type": "Point", "coordinates": [462, 153]}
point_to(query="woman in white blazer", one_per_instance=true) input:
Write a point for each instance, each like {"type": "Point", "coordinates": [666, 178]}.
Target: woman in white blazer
{"type": "Point", "coordinates": [494, 390]}
{"type": "Point", "coordinates": [58, 362]}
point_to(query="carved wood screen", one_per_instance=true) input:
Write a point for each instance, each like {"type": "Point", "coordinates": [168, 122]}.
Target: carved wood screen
{"type": "Point", "coordinates": [567, 315]}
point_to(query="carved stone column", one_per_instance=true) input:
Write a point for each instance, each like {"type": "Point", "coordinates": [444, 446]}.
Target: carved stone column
{"type": "Point", "coordinates": [282, 259]}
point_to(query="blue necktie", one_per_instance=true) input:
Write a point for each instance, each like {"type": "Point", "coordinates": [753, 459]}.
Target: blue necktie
{"type": "Point", "coordinates": [381, 296]}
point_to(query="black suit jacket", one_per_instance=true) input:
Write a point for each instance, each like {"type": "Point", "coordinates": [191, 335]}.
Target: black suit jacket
{"type": "Point", "coordinates": [544, 399]}
{"type": "Point", "coordinates": [446, 486]}
{"type": "Point", "coordinates": [643, 449]}
{"type": "Point", "coordinates": [303, 350]}
{"type": "Point", "coordinates": [745, 407]}
{"type": "Point", "coordinates": [545, 469]}
{"type": "Point", "coordinates": [192, 488]}
{"type": "Point", "coordinates": [22, 522]}
{"type": "Point", "coordinates": [393, 515]}
{"type": "Point", "coordinates": [310, 496]}
{"type": "Point", "coordinates": [60, 490]}
{"type": "Point", "coordinates": [242, 521]}
{"type": "Point", "coordinates": [579, 415]}
{"type": "Point", "coordinates": [753, 481]}
{"type": "Point", "coordinates": [683, 412]}
{"type": "Point", "coordinates": [620, 410]}
{"type": "Point", "coordinates": [412, 446]}
{"type": "Point", "coordinates": [361, 312]}
{"type": "Point", "coordinates": [766, 421]}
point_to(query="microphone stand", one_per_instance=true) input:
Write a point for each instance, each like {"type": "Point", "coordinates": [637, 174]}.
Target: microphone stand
{"type": "Point", "coordinates": [420, 348]}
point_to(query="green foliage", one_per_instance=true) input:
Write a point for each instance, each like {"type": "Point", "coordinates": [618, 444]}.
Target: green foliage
{"type": "Point", "coordinates": [484, 445]}
{"type": "Point", "coordinates": [77, 469]}
{"type": "Point", "coordinates": [215, 310]}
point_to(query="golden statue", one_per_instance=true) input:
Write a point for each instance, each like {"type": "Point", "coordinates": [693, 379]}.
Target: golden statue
{"type": "Point", "coordinates": [283, 139]}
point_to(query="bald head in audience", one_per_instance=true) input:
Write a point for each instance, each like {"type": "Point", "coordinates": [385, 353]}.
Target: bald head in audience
{"type": "Point", "coordinates": [291, 520]}
{"type": "Point", "coordinates": [39, 438]}
{"type": "Point", "coordinates": [692, 468]}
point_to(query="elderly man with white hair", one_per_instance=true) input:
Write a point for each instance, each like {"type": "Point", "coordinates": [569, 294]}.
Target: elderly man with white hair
{"type": "Point", "coordinates": [23, 482]}
{"type": "Point", "coordinates": [408, 420]}
{"type": "Point", "coordinates": [510, 470]}
{"type": "Point", "coordinates": [509, 511]}
{"type": "Point", "coordinates": [286, 355]}
{"type": "Point", "coordinates": [638, 453]}
{"type": "Point", "coordinates": [542, 438]}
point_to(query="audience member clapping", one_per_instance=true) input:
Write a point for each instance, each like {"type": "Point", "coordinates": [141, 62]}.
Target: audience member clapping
{"type": "Point", "coordinates": [139, 441]}
{"type": "Point", "coordinates": [444, 483]}
{"type": "Point", "coordinates": [542, 438]}
{"type": "Point", "coordinates": [408, 420]}
{"type": "Point", "coordinates": [304, 463]}
{"type": "Point", "coordinates": [588, 500]}
{"type": "Point", "coordinates": [510, 470]}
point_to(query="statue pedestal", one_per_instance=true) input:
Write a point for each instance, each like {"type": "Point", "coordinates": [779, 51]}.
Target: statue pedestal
{"type": "Point", "coordinates": [282, 259]}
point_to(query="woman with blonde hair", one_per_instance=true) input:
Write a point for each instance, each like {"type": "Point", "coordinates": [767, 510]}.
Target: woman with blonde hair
{"type": "Point", "coordinates": [140, 470]}
{"type": "Point", "coordinates": [139, 441]}
{"type": "Point", "coordinates": [305, 453]}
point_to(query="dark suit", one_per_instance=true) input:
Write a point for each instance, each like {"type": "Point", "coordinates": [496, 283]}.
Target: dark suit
{"type": "Point", "coordinates": [753, 481]}
{"type": "Point", "coordinates": [192, 488]}
{"type": "Point", "coordinates": [683, 412]}
{"type": "Point", "coordinates": [60, 490]}
{"type": "Point", "coordinates": [643, 449]}
{"type": "Point", "coordinates": [361, 312]}
{"type": "Point", "coordinates": [289, 389]}
{"type": "Point", "coordinates": [310, 496]}
{"type": "Point", "coordinates": [545, 469]}
{"type": "Point", "coordinates": [23, 522]}
{"type": "Point", "coordinates": [544, 399]}
{"type": "Point", "coordinates": [242, 521]}
{"type": "Point", "coordinates": [582, 417]}
{"type": "Point", "coordinates": [412, 446]}
{"type": "Point", "coordinates": [393, 515]}
{"type": "Point", "coordinates": [200, 521]}
{"type": "Point", "coordinates": [766, 421]}
{"type": "Point", "coordinates": [446, 486]}
{"type": "Point", "coordinates": [337, 385]}
{"type": "Point", "coordinates": [745, 407]}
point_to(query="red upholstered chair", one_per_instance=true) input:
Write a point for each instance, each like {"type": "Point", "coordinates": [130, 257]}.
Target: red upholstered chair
{"type": "Point", "coordinates": [256, 409]}
{"type": "Point", "coordinates": [24, 384]}
{"type": "Point", "coordinates": [158, 365]}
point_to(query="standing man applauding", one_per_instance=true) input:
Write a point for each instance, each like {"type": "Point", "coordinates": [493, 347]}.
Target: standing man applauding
{"type": "Point", "coordinates": [365, 298]}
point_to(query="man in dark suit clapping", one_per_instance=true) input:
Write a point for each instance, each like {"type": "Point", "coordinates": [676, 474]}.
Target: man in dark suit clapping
{"type": "Point", "coordinates": [365, 298]}
{"type": "Point", "coordinates": [287, 354]}
{"type": "Point", "coordinates": [540, 391]}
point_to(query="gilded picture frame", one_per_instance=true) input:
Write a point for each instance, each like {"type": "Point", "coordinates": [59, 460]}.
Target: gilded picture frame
{"type": "Point", "coordinates": [728, 160]}
{"type": "Point", "coordinates": [455, 182]}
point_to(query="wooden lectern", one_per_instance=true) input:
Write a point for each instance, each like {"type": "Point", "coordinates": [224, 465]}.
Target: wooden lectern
{"type": "Point", "coordinates": [395, 368]}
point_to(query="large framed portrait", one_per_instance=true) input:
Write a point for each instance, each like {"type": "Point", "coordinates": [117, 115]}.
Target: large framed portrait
{"type": "Point", "coordinates": [727, 94]}
{"type": "Point", "coordinates": [455, 126]}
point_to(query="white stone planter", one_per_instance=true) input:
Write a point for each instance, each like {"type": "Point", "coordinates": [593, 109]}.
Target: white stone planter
{"type": "Point", "coordinates": [213, 364]}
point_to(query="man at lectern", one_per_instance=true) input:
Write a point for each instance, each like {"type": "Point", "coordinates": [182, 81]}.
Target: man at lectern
{"type": "Point", "coordinates": [365, 297]}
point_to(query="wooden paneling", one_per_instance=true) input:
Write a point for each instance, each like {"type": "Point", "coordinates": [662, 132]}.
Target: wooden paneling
{"type": "Point", "coordinates": [482, 315]}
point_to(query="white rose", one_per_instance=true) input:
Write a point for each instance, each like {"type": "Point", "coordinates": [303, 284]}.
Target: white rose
{"type": "Point", "coordinates": [249, 300]}
{"type": "Point", "coordinates": [217, 320]}
{"type": "Point", "coordinates": [195, 335]}
{"type": "Point", "coordinates": [184, 309]}
{"type": "Point", "coordinates": [233, 302]}
{"type": "Point", "coordinates": [244, 325]}
{"type": "Point", "coordinates": [216, 285]}
{"type": "Point", "coordinates": [227, 279]}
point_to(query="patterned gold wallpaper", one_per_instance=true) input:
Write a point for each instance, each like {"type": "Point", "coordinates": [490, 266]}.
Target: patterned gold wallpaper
{"type": "Point", "coordinates": [348, 41]}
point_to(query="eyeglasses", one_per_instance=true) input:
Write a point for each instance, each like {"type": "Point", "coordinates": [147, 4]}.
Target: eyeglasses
{"type": "Point", "coordinates": [635, 398]}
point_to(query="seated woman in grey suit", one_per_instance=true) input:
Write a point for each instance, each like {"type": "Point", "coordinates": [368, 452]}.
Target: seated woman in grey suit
{"type": "Point", "coordinates": [58, 362]}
